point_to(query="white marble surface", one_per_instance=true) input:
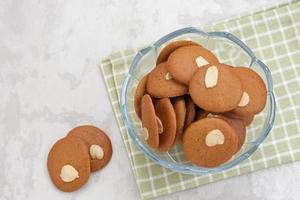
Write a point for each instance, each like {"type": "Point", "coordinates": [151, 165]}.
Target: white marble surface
{"type": "Point", "coordinates": [50, 82]}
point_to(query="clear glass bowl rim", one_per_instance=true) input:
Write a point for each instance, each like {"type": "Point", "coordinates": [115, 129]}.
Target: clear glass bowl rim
{"type": "Point", "coordinates": [189, 169]}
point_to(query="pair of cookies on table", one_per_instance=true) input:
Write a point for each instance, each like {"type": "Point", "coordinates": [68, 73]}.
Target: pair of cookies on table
{"type": "Point", "coordinates": [71, 159]}
{"type": "Point", "coordinates": [208, 103]}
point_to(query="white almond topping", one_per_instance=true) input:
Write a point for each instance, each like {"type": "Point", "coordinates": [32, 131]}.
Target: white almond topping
{"type": "Point", "coordinates": [168, 76]}
{"type": "Point", "coordinates": [244, 100]}
{"type": "Point", "coordinates": [159, 126]}
{"type": "Point", "coordinates": [146, 134]}
{"type": "Point", "coordinates": [201, 61]}
{"type": "Point", "coordinates": [68, 173]}
{"type": "Point", "coordinates": [211, 76]}
{"type": "Point", "coordinates": [214, 138]}
{"type": "Point", "coordinates": [96, 152]}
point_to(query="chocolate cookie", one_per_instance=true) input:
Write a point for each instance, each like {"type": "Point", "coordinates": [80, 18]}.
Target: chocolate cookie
{"type": "Point", "coordinates": [216, 88]}
{"type": "Point", "coordinates": [160, 84]}
{"type": "Point", "coordinates": [139, 93]}
{"type": "Point", "coordinates": [166, 114]}
{"type": "Point", "coordinates": [167, 50]}
{"type": "Point", "coordinates": [149, 122]}
{"type": "Point", "coordinates": [69, 164]}
{"type": "Point", "coordinates": [180, 112]}
{"type": "Point", "coordinates": [209, 142]}
{"type": "Point", "coordinates": [184, 62]}
{"type": "Point", "coordinates": [254, 95]}
{"type": "Point", "coordinates": [190, 112]}
{"type": "Point", "coordinates": [97, 142]}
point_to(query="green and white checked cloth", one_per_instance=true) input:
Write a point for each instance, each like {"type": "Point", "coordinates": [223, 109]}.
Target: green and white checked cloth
{"type": "Point", "coordinates": [274, 36]}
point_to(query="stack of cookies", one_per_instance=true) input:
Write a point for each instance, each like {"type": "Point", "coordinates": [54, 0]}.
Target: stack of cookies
{"type": "Point", "coordinates": [85, 149]}
{"type": "Point", "coordinates": [192, 98]}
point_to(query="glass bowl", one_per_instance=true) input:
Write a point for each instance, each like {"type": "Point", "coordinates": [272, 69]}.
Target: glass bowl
{"type": "Point", "coordinates": [230, 50]}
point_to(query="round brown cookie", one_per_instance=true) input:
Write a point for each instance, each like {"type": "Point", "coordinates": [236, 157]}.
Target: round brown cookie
{"type": "Point", "coordinates": [149, 122]}
{"type": "Point", "coordinates": [216, 88]}
{"type": "Point", "coordinates": [69, 164]}
{"type": "Point", "coordinates": [139, 93]}
{"type": "Point", "coordinates": [182, 63]}
{"type": "Point", "coordinates": [209, 142]}
{"type": "Point", "coordinates": [166, 114]}
{"type": "Point", "coordinates": [246, 119]}
{"type": "Point", "coordinates": [254, 96]}
{"type": "Point", "coordinates": [236, 124]}
{"type": "Point", "coordinates": [98, 143]}
{"type": "Point", "coordinates": [180, 112]}
{"type": "Point", "coordinates": [167, 50]}
{"type": "Point", "coordinates": [160, 84]}
{"type": "Point", "coordinates": [190, 112]}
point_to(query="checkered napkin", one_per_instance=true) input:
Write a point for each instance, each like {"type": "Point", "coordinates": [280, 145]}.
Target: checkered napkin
{"type": "Point", "coordinates": [274, 36]}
